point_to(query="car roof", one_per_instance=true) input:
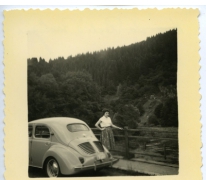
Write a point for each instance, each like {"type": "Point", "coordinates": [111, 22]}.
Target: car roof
{"type": "Point", "coordinates": [57, 120]}
{"type": "Point", "coordinates": [59, 127]}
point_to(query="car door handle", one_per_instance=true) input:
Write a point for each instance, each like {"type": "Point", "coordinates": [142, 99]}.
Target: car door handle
{"type": "Point", "coordinates": [47, 143]}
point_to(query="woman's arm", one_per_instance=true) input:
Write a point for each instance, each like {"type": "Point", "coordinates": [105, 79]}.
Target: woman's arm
{"type": "Point", "coordinates": [97, 125]}
{"type": "Point", "coordinates": [116, 127]}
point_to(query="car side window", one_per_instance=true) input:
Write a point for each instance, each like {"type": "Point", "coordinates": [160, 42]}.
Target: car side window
{"type": "Point", "coordinates": [30, 131]}
{"type": "Point", "coordinates": [42, 132]}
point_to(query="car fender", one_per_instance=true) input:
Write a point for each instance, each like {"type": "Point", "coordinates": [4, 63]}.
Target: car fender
{"type": "Point", "coordinates": [67, 158]}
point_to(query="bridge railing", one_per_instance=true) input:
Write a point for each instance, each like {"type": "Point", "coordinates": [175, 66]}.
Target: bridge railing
{"type": "Point", "coordinates": [155, 142]}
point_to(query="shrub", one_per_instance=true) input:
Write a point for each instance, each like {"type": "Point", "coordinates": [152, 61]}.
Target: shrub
{"type": "Point", "coordinates": [127, 115]}
{"type": "Point", "coordinates": [153, 120]}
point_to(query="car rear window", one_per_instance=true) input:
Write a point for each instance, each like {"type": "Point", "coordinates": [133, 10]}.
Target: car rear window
{"type": "Point", "coordinates": [77, 127]}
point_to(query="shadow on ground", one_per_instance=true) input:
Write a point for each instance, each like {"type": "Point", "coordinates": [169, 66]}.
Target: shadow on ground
{"type": "Point", "coordinates": [37, 172]}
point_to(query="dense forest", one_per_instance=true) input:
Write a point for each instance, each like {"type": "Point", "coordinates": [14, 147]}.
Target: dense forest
{"type": "Point", "coordinates": [138, 83]}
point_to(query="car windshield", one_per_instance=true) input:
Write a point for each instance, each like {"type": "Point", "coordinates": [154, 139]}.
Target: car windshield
{"type": "Point", "coordinates": [77, 127]}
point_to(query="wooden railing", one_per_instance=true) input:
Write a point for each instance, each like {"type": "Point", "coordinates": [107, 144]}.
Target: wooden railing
{"type": "Point", "coordinates": [165, 142]}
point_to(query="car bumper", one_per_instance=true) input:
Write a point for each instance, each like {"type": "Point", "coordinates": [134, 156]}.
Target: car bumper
{"type": "Point", "coordinates": [96, 165]}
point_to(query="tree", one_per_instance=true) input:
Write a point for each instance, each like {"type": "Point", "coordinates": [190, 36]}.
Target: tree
{"type": "Point", "coordinates": [81, 96]}
{"type": "Point", "coordinates": [170, 113]}
{"type": "Point", "coordinates": [127, 115]}
{"type": "Point", "coordinates": [167, 113]}
{"type": "Point", "coordinates": [76, 86]}
{"type": "Point", "coordinates": [152, 120]}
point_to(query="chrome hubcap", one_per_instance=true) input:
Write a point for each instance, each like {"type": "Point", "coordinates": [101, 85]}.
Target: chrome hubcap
{"type": "Point", "coordinates": [52, 168]}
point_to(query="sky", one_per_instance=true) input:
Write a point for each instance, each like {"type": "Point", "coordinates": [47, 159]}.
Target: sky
{"type": "Point", "coordinates": [53, 44]}
{"type": "Point", "coordinates": [69, 34]}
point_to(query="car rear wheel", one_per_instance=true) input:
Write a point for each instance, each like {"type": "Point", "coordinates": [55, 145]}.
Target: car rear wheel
{"type": "Point", "coordinates": [52, 168]}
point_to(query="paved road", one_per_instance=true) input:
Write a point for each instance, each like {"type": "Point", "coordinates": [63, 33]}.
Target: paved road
{"type": "Point", "coordinates": [36, 172]}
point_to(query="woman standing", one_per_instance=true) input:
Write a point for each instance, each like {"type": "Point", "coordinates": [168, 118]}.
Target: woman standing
{"type": "Point", "coordinates": [105, 125]}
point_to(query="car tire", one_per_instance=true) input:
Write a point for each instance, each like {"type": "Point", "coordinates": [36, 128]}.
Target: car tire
{"type": "Point", "coordinates": [52, 168]}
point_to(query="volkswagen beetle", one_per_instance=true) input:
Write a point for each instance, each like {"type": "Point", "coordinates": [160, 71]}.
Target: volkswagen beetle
{"type": "Point", "coordinates": [65, 146]}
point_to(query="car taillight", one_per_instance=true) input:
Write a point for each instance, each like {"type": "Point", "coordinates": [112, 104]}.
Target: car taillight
{"type": "Point", "coordinates": [81, 159]}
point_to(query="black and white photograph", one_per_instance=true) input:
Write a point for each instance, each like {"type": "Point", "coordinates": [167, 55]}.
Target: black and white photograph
{"type": "Point", "coordinates": [102, 93]}
{"type": "Point", "coordinates": [102, 100]}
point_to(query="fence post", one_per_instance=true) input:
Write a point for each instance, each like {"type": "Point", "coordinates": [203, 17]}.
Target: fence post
{"type": "Point", "coordinates": [165, 151]}
{"type": "Point", "coordinates": [126, 142]}
{"type": "Point", "coordinates": [145, 146]}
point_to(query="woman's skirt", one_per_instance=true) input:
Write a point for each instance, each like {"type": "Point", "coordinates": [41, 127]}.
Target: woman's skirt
{"type": "Point", "coordinates": [107, 138]}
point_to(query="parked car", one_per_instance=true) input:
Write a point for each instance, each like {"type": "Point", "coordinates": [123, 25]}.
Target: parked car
{"type": "Point", "coordinates": [65, 146]}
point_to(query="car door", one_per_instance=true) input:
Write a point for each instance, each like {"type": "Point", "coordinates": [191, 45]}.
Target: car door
{"type": "Point", "coordinates": [40, 144]}
{"type": "Point", "coordinates": [30, 134]}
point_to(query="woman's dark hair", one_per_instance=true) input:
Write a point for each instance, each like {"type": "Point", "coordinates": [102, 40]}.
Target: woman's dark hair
{"type": "Point", "coordinates": [105, 110]}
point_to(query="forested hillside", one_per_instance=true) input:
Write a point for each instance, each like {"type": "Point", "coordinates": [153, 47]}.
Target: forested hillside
{"type": "Point", "coordinates": [137, 82]}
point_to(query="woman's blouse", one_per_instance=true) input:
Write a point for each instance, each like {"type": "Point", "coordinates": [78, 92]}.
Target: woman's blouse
{"type": "Point", "coordinates": [105, 122]}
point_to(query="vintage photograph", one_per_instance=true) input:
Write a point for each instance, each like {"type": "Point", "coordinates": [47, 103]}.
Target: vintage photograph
{"type": "Point", "coordinates": [102, 97]}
